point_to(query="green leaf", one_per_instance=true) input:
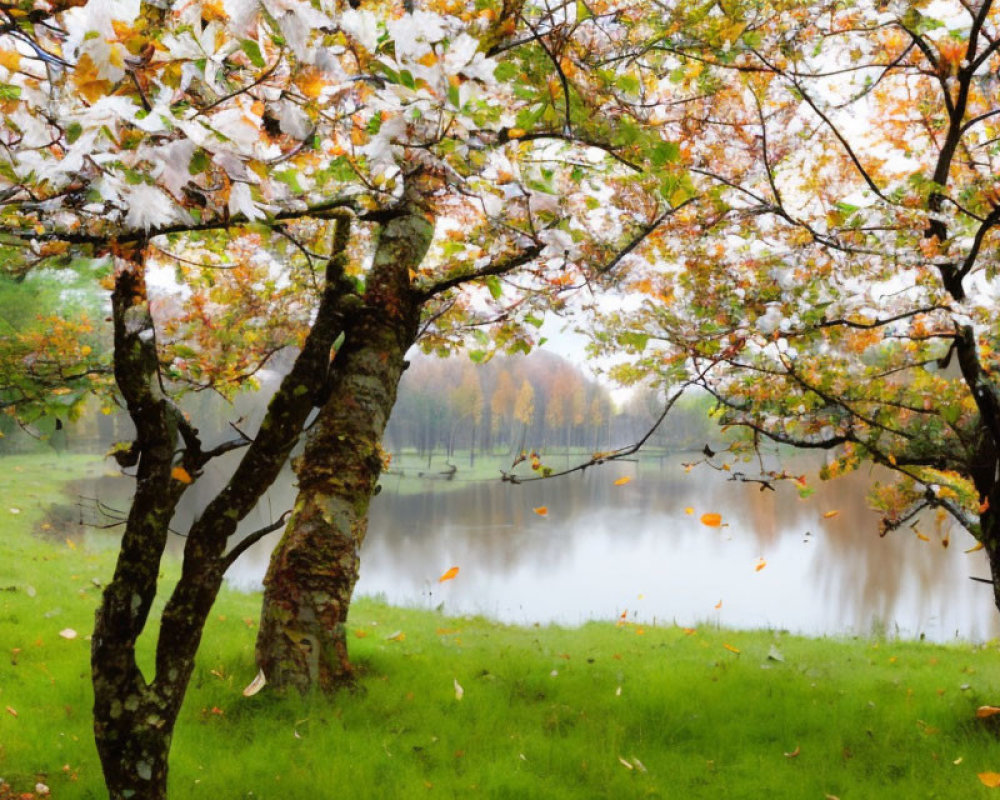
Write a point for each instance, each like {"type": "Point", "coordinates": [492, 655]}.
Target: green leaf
{"type": "Point", "coordinates": [252, 49]}
{"type": "Point", "coordinates": [665, 152]}
{"type": "Point", "coordinates": [493, 284]}
{"type": "Point", "coordinates": [73, 131]}
{"type": "Point", "coordinates": [8, 92]}
{"type": "Point", "coordinates": [531, 319]}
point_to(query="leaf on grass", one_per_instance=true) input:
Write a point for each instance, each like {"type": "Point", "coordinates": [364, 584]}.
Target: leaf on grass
{"type": "Point", "coordinates": [15, 510]}
{"type": "Point", "coordinates": [957, 761]}
{"type": "Point", "coordinates": [448, 575]}
{"type": "Point", "coordinates": [255, 685]}
{"type": "Point", "coordinates": [70, 543]}
{"type": "Point", "coordinates": [761, 563]}
{"type": "Point", "coordinates": [775, 655]}
{"type": "Point", "coordinates": [794, 753]}
{"type": "Point", "coordinates": [398, 636]}
{"type": "Point", "coordinates": [711, 519]}
{"type": "Point", "coordinates": [975, 547]}
{"type": "Point", "coordinates": [991, 779]}
{"type": "Point", "coordinates": [830, 514]}
{"type": "Point", "coordinates": [360, 633]}
{"type": "Point", "coordinates": [11, 711]}
{"type": "Point", "coordinates": [625, 763]}
{"type": "Point", "coordinates": [986, 711]}
{"type": "Point", "coordinates": [69, 633]}
{"type": "Point", "coordinates": [732, 649]}
{"type": "Point", "coordinates": [181, 474]}
{"type": "Point", "coordinates": [623, 481]}
{"type": "Point", "coordinates": [541, 510]}
{"type": "Point", "coordinates": [459, 691]}
{"type": "Point", "coordinates": [689, 631]}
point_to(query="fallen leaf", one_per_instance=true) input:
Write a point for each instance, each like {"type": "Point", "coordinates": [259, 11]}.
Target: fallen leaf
{"type": "Point", "coordinates": [623, 481]}
{"type": "Point", "coordinates": [541, 510]}
{"type": "Point", "coordinates": [15, 511]}
{"type": "Point", "coordinates": [625, 763]}
{"type": "Point", "coordinates": [638, 764]}
{"type": "Point", "coordinates": [957, 761]}
{"type": "Point", "coordinates": [459, 691]}
{"type": "Point", "coordinates": [761, 563]}
{"type": "Point", "coordinates": [181, 474]}
{"type": "Point", "coordinates": [689, 631]}
{"type": "Point", "coordinates": [975, 547]}
{"type": "Point", "coordinates": [398, 636]}
{"type": "Point", "coordinates": [986, 711]}
{"type": "Point", "coordinates": [775, 655]}
{"type": "Point", "coordinates": [69, 633]}
{"type": "Point", "coordinates": [794, 753]}
{"type": "Point", "coordinates": [360, 633]}
{"type": "Point", "coordinates": [255, 685]}
{"type": "Point", "coordinates": [922, 537]}
{"type": "Point", "coordinates": [732, 649]}
{"type": "Point", "coordinates": [448, 575]}
{"type": "Point", "coordinates": [991, 779]}
{"type": "Point", "coordinates": [830, 514]}
{"type": "Point", "coordinates": [70, 544]}
{"type": "Point", "coordinates": [689, 510]}
{"type": "Point", "coordinates": [711, 519]}
{"type": "Point", "coordinates": [11, 711]}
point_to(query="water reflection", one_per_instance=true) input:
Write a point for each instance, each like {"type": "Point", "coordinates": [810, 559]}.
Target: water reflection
{"type": "Point", "coordinates": [605, 549]}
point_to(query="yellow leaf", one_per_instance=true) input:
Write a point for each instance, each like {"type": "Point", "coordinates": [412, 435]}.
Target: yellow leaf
{"type": "Point", "coordinates": [921, 536]}
{"type": "Point", "coordinates": [830, 514]}
{"type": "Point", "coordinates": [360, 633]}
{"type": "Point", "coordinates": [448, 575]}
{"type": "Point", "coordinates": [10, 60]}
{"type": "Point", "coordinates": [892, 459]}
{"type": "Point", "coordinates": [986, 711]}
{"type": "Point", "coordinates": [69, 543]}
{"type": "Point", "coordinates": [991, 779]}
{"type": "Point", "coordinates": [975, 547]}
{"type": "Point", "coordinates": [459, 691]}
{"type": "Point", "coordinates": [516, 133]}
{"type": "Point", "coordinates": [689, 631]}
{"type": "Point", "coordinates": [623, 481]}
{"type": "Point", "coordinates": [180, 474]}
{"type": "Point", "coordinates": [712, 520]}
{"type": "Point", "coordinates": [689, 510]}
{"type": "Point", "coordinates": [761, 563]}
{"type": "Point", "coordinates": [732, 649]}
{"type": "Point", "coordinates": [541, 510]}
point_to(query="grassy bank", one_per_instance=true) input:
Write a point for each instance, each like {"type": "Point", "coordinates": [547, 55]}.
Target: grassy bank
{"type": "Point", "coordinates": [603, 711]}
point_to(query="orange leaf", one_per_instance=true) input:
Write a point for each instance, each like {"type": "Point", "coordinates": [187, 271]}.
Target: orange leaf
{"type": "Point", "coordinates": [794, 753]}
{"type": "Point", "coordinates": [986, 711]}
{"type": "Point", "coordinates": [360, 633]}
{"type": "Point", "coordinates": [761, 563]}
{"type": "Point", "coordinates": [623, 481]}
{"type": "Point", "coordinates": [541, 510]}
{"type": "Point", "coordinates": [830, 514]}
{"type": "Point", "coordinates": [711, 519]}
{"type": "Point", "coordinates": [732, 649]}
{"type": "Point", "coordinates": [11, 711]}
{"type": "Point", "coordinates": [516, 133]}
{"type": "Point", "coordinates": [984, 506]}
{"type": "Point", "coordinates": [921, 537]}
{"type": "Point", "coordinates": [448, 575]}
{"type": "Point", "coordinates": [689, 631]}
{"type": "Point", "coordinates": [991, 779]}
{"type": "Point", "coordinates": [719, 604]}
{"type": "Point", "coordinates": [181, 474]}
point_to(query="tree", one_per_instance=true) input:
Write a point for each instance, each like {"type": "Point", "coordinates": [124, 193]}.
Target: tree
{"type": "Point", "coordinates": [379, 178]}
{"type": "Point", "coordinates": [834, 285]}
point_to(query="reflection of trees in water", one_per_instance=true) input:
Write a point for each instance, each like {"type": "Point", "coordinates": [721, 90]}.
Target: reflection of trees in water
{"type": "Point", "coordinates": [489, 529]}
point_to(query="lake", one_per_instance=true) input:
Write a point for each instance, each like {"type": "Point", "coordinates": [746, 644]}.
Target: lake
{"type": "Point", "coordinates": [604, 550]}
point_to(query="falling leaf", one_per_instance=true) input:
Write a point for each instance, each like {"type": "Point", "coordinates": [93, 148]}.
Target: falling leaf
{"type": "Point", "coordinates": [459, 691]}
{"type": "Point", "coordinates": [181, 474]}
{"type": "Point", "coordinates": [68, 633]}
{"type": "Point", "coordinates": [987, 711]}
{"type": "Point", "coordinates": [623, 481]}
{"type": "Point", "coordinates": [975, 547]}
{"type": "Point", "coordinates": [794, 753]}
{"type": "Point", "coordinates": [711, 519]}
{"type": "Point", "coordinates": [689, 510]}
{"type": "Point", "coordinates": [761, 563]}
{"type": "Point", "coordinates": [719, 604]}
{"type": "Point", "coordinates": [689, 631]}
{"type": "Point", "coordinates": [398, 636]}
{"type": "Point", "coordinates": [991, 779]}
{"type": "Point", "coordinates": [541, 510]}
{"type": "Point", "coordinates": [70, 544]}
{"type": "Point", "coordinates": [830, 514]}
{"type": "Point", "coordinates": [448, 575]}
{"type": "Point", "coordinates": [732, 649]}
{"type": "Point", "coordinates": [255, 685]}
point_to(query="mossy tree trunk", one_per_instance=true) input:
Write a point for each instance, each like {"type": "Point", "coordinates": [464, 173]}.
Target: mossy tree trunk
{"type": "Point", "coordinates": [134, 715]}
{"type": "Point", "coordinates": [307, 591]}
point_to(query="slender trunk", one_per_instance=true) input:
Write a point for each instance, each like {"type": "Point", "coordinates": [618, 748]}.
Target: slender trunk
{"type": "Point", "coordinates": [313, 570]}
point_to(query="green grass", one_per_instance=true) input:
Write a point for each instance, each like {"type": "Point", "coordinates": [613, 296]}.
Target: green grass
{"type": "Point", "coordinates": [546, 712]}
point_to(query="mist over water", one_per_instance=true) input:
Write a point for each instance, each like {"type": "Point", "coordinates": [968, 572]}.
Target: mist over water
{"type": "Point", "coordinates": [604, 550]}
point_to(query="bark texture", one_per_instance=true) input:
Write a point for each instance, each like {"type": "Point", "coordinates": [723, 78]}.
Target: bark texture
{"type": "Point", "coordinates": [134, 715]}
{"type": "Point", "coordinates": [301, 642]}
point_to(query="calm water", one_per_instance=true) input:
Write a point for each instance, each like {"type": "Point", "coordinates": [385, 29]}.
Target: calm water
{"type": "Point", "coordinates": [603, 550]}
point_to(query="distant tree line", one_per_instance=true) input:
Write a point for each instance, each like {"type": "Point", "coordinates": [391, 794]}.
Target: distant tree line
{"type": "Point", "coordinates": [537, 402]}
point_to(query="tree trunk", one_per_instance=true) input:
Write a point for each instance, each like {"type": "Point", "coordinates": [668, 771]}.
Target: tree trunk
{"type": "Point", "coordinates": [307, 591]}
